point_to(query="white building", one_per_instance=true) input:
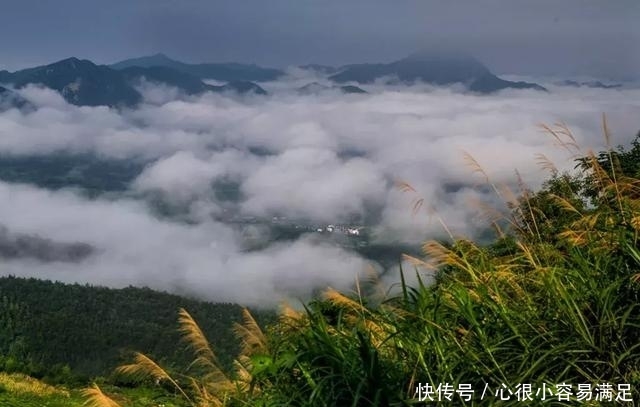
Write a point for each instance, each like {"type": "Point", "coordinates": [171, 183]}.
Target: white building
{"type": "Point", "coordinates": [353, 232]}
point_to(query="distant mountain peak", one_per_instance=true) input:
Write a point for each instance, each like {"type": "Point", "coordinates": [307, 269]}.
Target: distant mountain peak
{"type": "Point", "coordinates": [73, 63]}
{"type": "Point", "coordinates": [70, 60]}
{"type": "Point", "coordinates": [157, 59]}
{"type": "Point", "coordinates": [160, 57]}
{"type": "Point", "coordinates": [439, 67]}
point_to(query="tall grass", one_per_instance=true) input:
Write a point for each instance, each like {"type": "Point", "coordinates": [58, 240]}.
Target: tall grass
{"type": "Point", "coordinates": [553, 300]}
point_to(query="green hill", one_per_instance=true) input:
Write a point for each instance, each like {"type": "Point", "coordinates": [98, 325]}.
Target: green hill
{"type": "Point", "coordinates": [46, 325]}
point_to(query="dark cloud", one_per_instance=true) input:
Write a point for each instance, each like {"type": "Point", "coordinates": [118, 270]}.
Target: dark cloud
{"type": "Point", "coordinates": [567, 38]}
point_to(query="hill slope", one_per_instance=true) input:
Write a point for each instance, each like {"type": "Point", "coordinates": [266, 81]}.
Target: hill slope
{"type": "Point", "coordinates": [44, 324]}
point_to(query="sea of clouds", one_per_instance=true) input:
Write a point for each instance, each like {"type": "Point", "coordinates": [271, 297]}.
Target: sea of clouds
{"type": "Point", "coordinates": [325, 158]}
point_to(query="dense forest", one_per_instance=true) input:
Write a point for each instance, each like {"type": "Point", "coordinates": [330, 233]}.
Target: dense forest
{"type": "Point", "coordinates": [69, 333]}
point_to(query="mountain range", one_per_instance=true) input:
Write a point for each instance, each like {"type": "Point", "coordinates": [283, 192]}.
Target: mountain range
{"type": "Point", "coordinates": [84, 83]}
{"type": "Point", "coordinates": [80, 82]}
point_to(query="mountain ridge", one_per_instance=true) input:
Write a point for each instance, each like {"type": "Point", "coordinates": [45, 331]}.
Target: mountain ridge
{"type": "Point", "coordinates": [433, 68]}
{"type": "Point", "coordinates": [226, 71]}
{"type": "Point", "coordinates": [84, 83]}
{"type": "Point", "coordinates": [80, 82]}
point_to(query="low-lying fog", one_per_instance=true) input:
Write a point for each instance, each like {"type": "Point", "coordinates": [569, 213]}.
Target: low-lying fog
{"type": "Point", "coordinates": [328, 158]}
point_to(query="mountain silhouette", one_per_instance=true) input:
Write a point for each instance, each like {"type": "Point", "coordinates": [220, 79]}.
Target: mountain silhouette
{"type": "Point", "coordinates": [435, 68]}
{"type": "Point", "coordinates": [83, 83]}
{"type": "Point", "coordinates": [227, 72]}
{"type": "Point", "coordinates": [80, 82]}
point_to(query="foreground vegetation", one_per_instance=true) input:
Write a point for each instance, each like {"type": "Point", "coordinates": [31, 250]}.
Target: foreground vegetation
{"type": "Point", "coordinates": [551, 303]}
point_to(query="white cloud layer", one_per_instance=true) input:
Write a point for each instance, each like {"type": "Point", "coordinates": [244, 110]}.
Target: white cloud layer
{"type": "Point", "coordinates": [134, 248]}
{"type": "Point", "coordinates": [325, 158]}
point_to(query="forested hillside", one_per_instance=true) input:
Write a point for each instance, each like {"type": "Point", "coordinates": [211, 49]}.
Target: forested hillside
{"type": "Point", "coordinates": [72, 332]}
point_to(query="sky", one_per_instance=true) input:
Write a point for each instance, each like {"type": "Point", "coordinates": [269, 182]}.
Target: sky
{"type": "Point", "coordinates": [565, 38]}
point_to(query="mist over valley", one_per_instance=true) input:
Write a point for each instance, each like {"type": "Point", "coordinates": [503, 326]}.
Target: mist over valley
{"type": "Point", "coordinates": [234, 182]}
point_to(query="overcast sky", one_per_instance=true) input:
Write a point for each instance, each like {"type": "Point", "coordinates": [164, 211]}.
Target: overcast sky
{"type": "Point", "coordinates": [537, 37]}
